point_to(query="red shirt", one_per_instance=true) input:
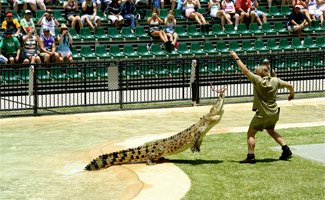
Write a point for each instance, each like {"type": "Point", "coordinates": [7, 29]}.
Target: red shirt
{"type": "Point", "coordinates": [243, 4]}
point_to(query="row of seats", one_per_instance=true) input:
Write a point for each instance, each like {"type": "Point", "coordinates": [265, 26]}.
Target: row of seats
{"type": "Point", "coordinates": [220, 47]}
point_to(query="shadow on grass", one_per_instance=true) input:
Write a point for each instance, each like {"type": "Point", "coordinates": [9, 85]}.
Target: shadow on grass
{"type": "Point", "coordinates": [195, 162]}
{"type": "Point", "coordinates": [265, 160]}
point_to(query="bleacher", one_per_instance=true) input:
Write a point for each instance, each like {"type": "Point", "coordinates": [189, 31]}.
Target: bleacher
{"type": "Point", "coordinates": [109, 42]}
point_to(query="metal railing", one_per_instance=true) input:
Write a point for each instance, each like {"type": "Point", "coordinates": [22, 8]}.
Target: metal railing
{"type": "Point", "coordinates": [147, 83]}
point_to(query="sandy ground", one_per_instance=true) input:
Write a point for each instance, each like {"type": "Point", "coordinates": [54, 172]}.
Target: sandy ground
{"type": "Point", "coordinates": [161, 181]}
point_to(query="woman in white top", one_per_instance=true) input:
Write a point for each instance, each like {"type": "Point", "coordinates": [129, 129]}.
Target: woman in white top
{"type": "Point", "coordinates": [314, 11]}
{"type": "Point", "coordinates": [154, 26]}
{"type": "Point", "coordinates": [189, 6]}
{"type": "Point", "coordinates": [229, 8]}
{"type": "Point", "coordinates": [216, 12]}
{"type": "Point", "coordinates": [170, 24]}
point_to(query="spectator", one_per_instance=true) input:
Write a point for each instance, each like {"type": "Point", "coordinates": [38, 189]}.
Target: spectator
{"type": "Point", "coordinates": [256, 14]}
{"type": "Point", "coordinates": [161, 4]}
{"type": "Point", "coordinates": [189, 6]}
{"type": "Point", "coordinates": [114, 13]}
{"type": "Point", "coordinates": [3, 59]}
{"type": "Point", "coordinates": [128, 9]}
{"type": "Point", "coordinates": [216, 12]}
{"type": "Point", "coordinates": [243, 8]}
{"type": "Point", "coordinates": [297, 21]}
{"type": "Point", "coordinates": [30, 52]}
{"type": "Point", "coordinates": [321, 5]}
{"type": "Point", "coordinates": [48, 48]}
{"type": "Point", "coordinates": [229, 7]}
{"type": "Point", "coordinates": [303, 8]}
{"type": "Point", "coordinates": [89, 14]}
{"type": "Point", "coordinates": [16, 3]}
{"type": "Point", "coordinates": [27, 22]}
{"type": "Point", "coordinates": [11, 23]}
{"type": "Point", "coordinates": [10, 47]}
{"type": "Point", "coordinates": [170, 24]}
{"type": "Point", "coordinates": [65, 41]}
{"type": "Point", "coordinates": [72, 13]}
{"type": "Point", "coordinates": [154, 26]}
{"type": "Point", "coordinates": [48, 21]}
{"type": "Point", "coordinates": [314, 11]}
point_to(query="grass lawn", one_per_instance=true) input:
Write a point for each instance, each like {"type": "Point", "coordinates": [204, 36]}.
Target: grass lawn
{"type": "Point", "coordinates": [216, 174]}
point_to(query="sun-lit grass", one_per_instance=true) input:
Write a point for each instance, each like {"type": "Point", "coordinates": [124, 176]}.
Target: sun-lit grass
{"type": "Point", "coordinates": [216, 174]}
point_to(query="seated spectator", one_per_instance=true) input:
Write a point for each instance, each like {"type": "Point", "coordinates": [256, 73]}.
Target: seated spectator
{"type": "Point", "coordinates": [189, 6]}
{"type": "Point", "coordinates": [48, 21]}
{"type": "Point", "coordinates": [314, 11]}
{"type": "Point", "coordinates": [27, 22]}
{"type": "Point", "coordinates": [29, 54]}
{"type": "Point", "coordinates": [10, 47]}
{"type": "Point", "coordinates": [72, 13]}
{"type": "Point", "coordinates": [160, 4]}
{"type": "Point", "coordinates": [47, 47]}
{"type": "Point", "coordinates": [89, 14]}
{"type": "Point", "coordinates": [256, 14]}
{"type": "Point", "coordinates": [114, 13]}
{"type": "Point", "coordinates": [243, 8]}
{"type": "Point", "coordinates": [229, 8]}
{"type": "Point", "coordinates": [321, 5]}
{"type": "Point", "coordinates": [216, 12]}
{"type": "Point", "coordinates": [65, 41]}
{"type": "Point", "coordinates": [154, 26]}
{"type": "Point", "coordinates": [297, 21]}
{"type": "Point", "coordinates": [303, 10]}
{"type": "Point", "coordinates": [3, 59]}
{"type": "Point", "coordinates": [17, 3]}
{"type": "Point", "coordinates": [170, 24]}
{"type": "Point", "coordinates": [127, 11]}
{"type": "Point", "coordinates": [11, 23]}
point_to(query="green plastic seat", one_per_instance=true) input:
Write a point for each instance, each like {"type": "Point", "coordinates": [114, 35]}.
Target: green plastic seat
{"type": "Point", "coordinates": [242, 29]}
{"type": "Point", "coordinates": [267, 29]}
{"type": "Point", "coordinates": [75, 36]}
{"type": "Point", "coordinates": [279, 27]}
{"type": "Point", "coordinates": [87, 53]}
{"type": "Point", "coordinates": [140, 32]}
{"type": "Point", "coordinates": [315, 26]}
{"type": "Point", "coordinates": [157, 51]}
{"type": "Point", "coordinates": [309, 43]}
{"type": "Point", "coordinates": [284, 44]}
{"type": "Point", "coordinates": [274, 11]}
{"type": "Point", "coordinates": [58, 74]}
{"type": "Point", "coordinates": [85, 34]}
{"type": "Point", "coordinates": [320, 42]}
{"type": "Point", "coordinates": [74, 73]}
{"type": "Point", "coordinates": [195, 48]}
{"type": "Point", "coordinates": [263, 9]}
{"type": "Point", "coordinates": [115, 52]}
{"type": "Point", "coordinates": [208, 48]}
{"type": "Point", "coordinates": [113, 33]}
{"type": "Point", "coordinates": [75, 54]}
{"type": "Point", "coordinates": [247, 46]}
{"type": "Point", "coordinates": [234, 46]}
{"type": "Point", "coordinates": [178, 14]}
{"type": "Point", "coordinates": [254, 29]}
{"type": "Point", "coordinates": [259, 46]}
{"type": "Point", "coordinates": [285, 10]}
{"type": "Point", "coordinates": [43, 75]}
{"type": "Point", "coordinates": [10, 76]}
{"type": "Point", "coordinates": [101, 15]}
{"type": "Point", "coordinates": [143, 51]}
{"type": "Point", "coordinates": [163, 13]}
{"type": "Point", "coordinates": [183, 50]}
{"type": "Point", "coordinates": [180, 30]}
{"type": "Point", "coordinates": [100, 34]}
{"type": "Point", "coordinates": [39, 14]}
{"type": "Point", "coordinates": [128, 51]}
{"type": "Point", "coordinates": [192, 30]}
{"type": "Point", "coordinates": [296, 44]}
{"type": "Point", "coordinates": [58, 16]}
{"type": "Point", "coordinates": [272, 45]}
{"type": "Point", "coordinates": [126, 33]}
{"type": "Point", "coordinates": [222, 47]}
{"type": "Point", "coordinates": [217, 30]}
{"type": "Point", "coordinates": [100, 51]}
{"type": "Point", "coordinates": [229, 29]}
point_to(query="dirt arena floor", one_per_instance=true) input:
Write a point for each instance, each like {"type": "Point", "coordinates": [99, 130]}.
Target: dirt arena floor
{"type": "Point", "coordinates": [43, 157]}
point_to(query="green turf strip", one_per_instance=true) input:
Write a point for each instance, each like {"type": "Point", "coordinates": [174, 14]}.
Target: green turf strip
{"type": "Point", "coordinates": [216, 174]}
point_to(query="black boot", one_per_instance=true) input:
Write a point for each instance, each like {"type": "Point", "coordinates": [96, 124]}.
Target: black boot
{"type": "Point", "coordinates": [169, 46]}
{"type": "Point", "coordinates": [250, 159]}
{"type": "Point", "coordinates": [286, 153]}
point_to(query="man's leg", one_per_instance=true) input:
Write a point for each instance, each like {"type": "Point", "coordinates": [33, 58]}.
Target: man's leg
{"type": "Point", "coordinates": [251, 146]}
{"type": "Point", "coordinates": [286, 153]}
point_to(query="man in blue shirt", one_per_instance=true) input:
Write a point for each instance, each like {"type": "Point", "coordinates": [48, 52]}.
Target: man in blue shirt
{"type": "Point", "coordinates": [297, 21]}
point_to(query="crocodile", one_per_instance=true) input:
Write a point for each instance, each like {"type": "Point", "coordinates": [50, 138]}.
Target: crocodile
{"type": "Point", "coordinates": [153, 151]}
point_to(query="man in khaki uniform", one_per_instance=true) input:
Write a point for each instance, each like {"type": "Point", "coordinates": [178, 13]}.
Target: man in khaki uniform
{"type": "Point", "coordinates": [267, 111]}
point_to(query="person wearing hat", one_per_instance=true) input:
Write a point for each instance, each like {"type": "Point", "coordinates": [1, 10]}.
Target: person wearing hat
{"type": "Point", "coordinates": [10, 47]}
{"type": "Point", "coordinates": [267, 63]}
{"type": "Point", "coordinates": [29, 52]}
{"type": "Point", "coordinates": [264, 103]}
{"type": "Point", "coordinates": [11, 23]}
{"type": "Point", "coordinates": [297, 21]}
{"type": "Point", "coordinates": [48, 48]}
{"type": "Point", "coordinates": [65, 41]}
{"type": "Point", "coordinates": [27, 22]}
{"type": "Point", "coordinates": [48, 21]}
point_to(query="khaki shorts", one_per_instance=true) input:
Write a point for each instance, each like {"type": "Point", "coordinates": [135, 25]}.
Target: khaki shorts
{"type": "Point", "coordinates": [264, 122]}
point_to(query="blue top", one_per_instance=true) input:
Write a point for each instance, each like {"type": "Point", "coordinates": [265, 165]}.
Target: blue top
{"type": "Point", "coordinates": [64, 45]}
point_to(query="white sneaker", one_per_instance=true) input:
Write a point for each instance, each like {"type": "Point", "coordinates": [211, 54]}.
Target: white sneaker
{"type": "Point", "coordinates": [235, 28]}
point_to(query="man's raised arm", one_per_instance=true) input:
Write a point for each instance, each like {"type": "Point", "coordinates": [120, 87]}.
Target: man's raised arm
{"type": "Point", "coordinates": [240, 64]}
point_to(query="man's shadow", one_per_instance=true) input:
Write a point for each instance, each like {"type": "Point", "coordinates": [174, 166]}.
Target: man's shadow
{"type": "Point", "coordinates": [193, 162]}
{"type": "Point", "coordinates": [265, 160]}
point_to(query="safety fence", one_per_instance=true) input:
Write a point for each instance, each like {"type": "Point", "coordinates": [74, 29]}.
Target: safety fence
{"type": "Point", "coordinates": [145, 83]}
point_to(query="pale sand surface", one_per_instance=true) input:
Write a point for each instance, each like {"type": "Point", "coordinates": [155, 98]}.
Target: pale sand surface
{"type": "Point", "coordinates": [43, 157]}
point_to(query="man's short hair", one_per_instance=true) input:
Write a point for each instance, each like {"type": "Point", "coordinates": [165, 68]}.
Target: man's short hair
{"type": "Point", "coordinates": [262, 70]}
